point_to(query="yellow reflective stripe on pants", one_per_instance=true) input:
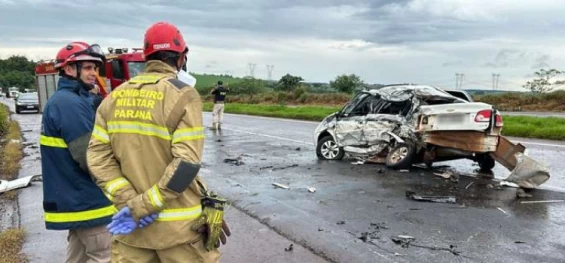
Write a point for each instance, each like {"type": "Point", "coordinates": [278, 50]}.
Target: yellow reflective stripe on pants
{"type": "Point", "coordinates": [100, 134]}
{"type": "Point", "coordinates": [139, 128]}
{"type": "Point", "coordinates": [188, 134]}
{"type": "Point", "coordinates": [179, 214]}
{"type": "Point", "coordinates": [116, 184]}
{"type": "Point", "coordinates": [80, 216]}
{"type": "Point", "coordinates": [52, 141]}
{"type": "Point", "coordinates": [155, 197]}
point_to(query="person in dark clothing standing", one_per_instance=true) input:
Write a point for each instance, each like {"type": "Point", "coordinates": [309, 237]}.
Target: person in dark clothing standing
{"type": "Point", "coordinates": [219, 93]}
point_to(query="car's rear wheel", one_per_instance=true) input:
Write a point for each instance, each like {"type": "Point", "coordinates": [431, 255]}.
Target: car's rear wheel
{"type": "Point", "coordinates": [327, 149]}
{"type": "Point", "coordinates": [486, 162]}
{"type": "Point", "coordinates": [400, 156]}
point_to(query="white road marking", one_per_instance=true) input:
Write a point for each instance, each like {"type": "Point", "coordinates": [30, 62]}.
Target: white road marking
{"type": "Point", "coordinates": [269, 136]}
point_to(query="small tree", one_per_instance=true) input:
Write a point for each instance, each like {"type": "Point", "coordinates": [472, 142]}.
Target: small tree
{"type": "Point", "coordinates": [346, 83]}
{"type": "Point", "coordinates": [289, 82]}
{"type": "Point", "coordinates": [542, 83]}
{"type": "Point", "coordinates": [248, 86]}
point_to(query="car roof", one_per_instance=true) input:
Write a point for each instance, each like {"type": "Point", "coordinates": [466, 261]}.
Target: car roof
{"type": "Point", "coordinates": [401, 92]}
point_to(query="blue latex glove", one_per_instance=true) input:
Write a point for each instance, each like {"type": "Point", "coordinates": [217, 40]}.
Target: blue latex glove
{"type": "Point", "coordinates": [122, 222]}
{"type": "Point", "coordinates": [145, 221]}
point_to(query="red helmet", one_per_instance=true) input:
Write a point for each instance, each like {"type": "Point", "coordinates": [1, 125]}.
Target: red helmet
{"type": "Point", "coordinates": [78, 51]}
{"type": "Point", "coordinates": [163, 36]}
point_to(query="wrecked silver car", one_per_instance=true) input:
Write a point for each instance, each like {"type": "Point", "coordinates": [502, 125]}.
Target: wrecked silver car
{"type": "Point", "coordinates": [401, 125]}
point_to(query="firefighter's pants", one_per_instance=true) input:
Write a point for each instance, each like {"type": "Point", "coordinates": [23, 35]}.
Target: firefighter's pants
{"type": "Point", "coordinates": [90, 245]}
{"type": "Point", "coordinates": [188, 252]}
{"type": "Point", "coordinates": [218, 112]}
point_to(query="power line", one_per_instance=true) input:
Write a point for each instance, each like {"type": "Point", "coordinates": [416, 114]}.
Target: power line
{"type": "Point", "coordinates": [495, 78]}
{"type": "Point", "coordinates": [459, 77]}
{"type": "Point", "coordinates": [252, 69]}
{"type": "Point", "coordinates": [270, 71]}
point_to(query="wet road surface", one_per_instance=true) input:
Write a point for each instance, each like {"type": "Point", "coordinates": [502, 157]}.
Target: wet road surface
{"type": "Point", "coordinates": [358, 208]}
{"type": "Point", "coordinates": [355, 210]}
{"type": "Point", "coordinates": [251, 241]}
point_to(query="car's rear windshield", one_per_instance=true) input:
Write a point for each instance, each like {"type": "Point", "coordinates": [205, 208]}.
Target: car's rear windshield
{"type": "Point", "coordinates": [28, 96]}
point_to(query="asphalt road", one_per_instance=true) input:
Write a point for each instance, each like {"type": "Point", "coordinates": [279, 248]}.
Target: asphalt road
{"type": "Point", "coordinates": [352, 201]}
{"type": "Point", "coordinates": [251, 240]}
{"type": "Point", "coordinates": [355, 210]}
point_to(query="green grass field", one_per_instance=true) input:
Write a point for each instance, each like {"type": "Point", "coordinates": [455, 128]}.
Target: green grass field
{"type": "Point", "coordinates": [550, 128]}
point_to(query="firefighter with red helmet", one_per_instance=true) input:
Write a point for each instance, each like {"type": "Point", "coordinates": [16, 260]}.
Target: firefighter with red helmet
{"type": "Point", "coordinates": [145, 152]}
{"type": "Point", "coordinates": [71, 199]}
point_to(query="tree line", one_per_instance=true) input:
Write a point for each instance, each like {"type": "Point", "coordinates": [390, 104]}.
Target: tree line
{"type": "Point", "coordinates": [17, 71]}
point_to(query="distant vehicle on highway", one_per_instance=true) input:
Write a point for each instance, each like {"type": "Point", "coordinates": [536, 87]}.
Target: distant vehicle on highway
{"type": "Point", "coordinates": [27, 102]}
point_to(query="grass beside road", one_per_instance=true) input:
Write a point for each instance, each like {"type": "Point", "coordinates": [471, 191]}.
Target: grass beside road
{"type": "Point", "coordinates": [311, 113]}
{"type": "Point", "coordinates": [12, 239]}
{"type": "Point", "coordinates": [11, 242]}
{"type": "Point", "coordinates": [549, 128]}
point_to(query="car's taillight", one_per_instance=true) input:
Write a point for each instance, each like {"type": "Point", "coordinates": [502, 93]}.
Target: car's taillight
{"type": "Point", "coordinates": [483, 116]}
{"type": "Point", "coordinates": [499, 122]}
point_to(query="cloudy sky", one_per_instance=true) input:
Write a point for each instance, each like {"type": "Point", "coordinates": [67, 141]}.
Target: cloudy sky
{"type": "Point", "coordinates": [383, 41]}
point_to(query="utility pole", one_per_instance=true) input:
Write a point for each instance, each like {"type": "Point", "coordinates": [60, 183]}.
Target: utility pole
{"type": "Point", "coordinates": [459, 77]}
{"type": "Point", "coordinates": [270, 71]}
{"type": "Point", "coordinates": [495, 78]}
{"type": "Point", "coordinates": [252, 69]}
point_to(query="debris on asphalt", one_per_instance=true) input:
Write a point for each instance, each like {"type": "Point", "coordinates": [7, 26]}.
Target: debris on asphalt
{"type": "Point", "coordinates": [435, 199]}
{"type": "Point", "coordinates": [368, 236]}
{"type": "Point", "coordinates": [23, 182]}
{"type": "Point", "coordinates": [254, 194]}
{"type": "Point", "coordinates": [290, 248]}
{"type": "Point", "coordinates": [285, 167]}
{"type": "Point", "coordinates": [404, 171]}
{"type": "Point", "coordinates": [265, 167]}
{"type": "Point", "coordinates": [469, 185]}
{"type": "Point", "coordinates": [380, 171]}
{"type": "Point", "coordinates": [521, 193]}
{"type": "Point", "coordinates": [519, 242]}
{"type": "Point", "coordinates": [509, 184]}
{"type": "Point", "coordinates": [402, 240]}
{"type": "Point", "coordinates": [528, 173]}
{"type": "Point", "coordinates": [340, 222]}
{"type": "Point", "coordinates": [445, 174]}
{"type": "Point", "coordinates": [27, 130]}
{"type": "Point", "coordinates": [407, 241]}
{"type": "Point", "coordinates": [218, 140]}
{"type": "Point", "coordinates": [281, 186]}
{"type": "Point", "coordinates": [297, 149]}
{"type": "Point", "coordinates": [359, 162]}
{"type": "Point", "coordinates": [237, 162]}
{"type": "Point", "coordinates": [311, 189]}
{"type": "Point", "coordinates": [490, 186]}
{"type": "Point", "coordinates": [379, 226]}
{"type": "Point", "coordinates": [320, 229]}
{"type": "Point", "coordinates": [542, 202]}
{"type": "Point", "coordinates": [502, 210]}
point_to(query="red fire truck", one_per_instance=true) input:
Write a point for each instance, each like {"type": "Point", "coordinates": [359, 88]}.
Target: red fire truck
{"type": "Point", "coordinates": [120, 66]}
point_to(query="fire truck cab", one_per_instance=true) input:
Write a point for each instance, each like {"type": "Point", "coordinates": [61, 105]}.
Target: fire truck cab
{"type": "Point", "coordinates": [119, 67]}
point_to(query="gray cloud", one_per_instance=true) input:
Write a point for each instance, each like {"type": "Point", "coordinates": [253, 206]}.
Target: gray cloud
{"type": "Point", "coordinates": [324, 36]}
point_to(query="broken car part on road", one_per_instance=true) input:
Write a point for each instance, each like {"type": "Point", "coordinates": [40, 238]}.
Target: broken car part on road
{"type": "Point", "coordinates": [6, 186]}
{"type": "Point", "coordinates": [402, 125]}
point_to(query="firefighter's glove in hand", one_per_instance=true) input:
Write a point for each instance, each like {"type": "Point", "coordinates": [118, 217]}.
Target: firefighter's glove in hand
{"type": "Point", "coordinates": [122, 222]}
{"type": "Point", "coordinates": [212, 223]}
{"type": "Point", "coordinates": [145, 221]}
